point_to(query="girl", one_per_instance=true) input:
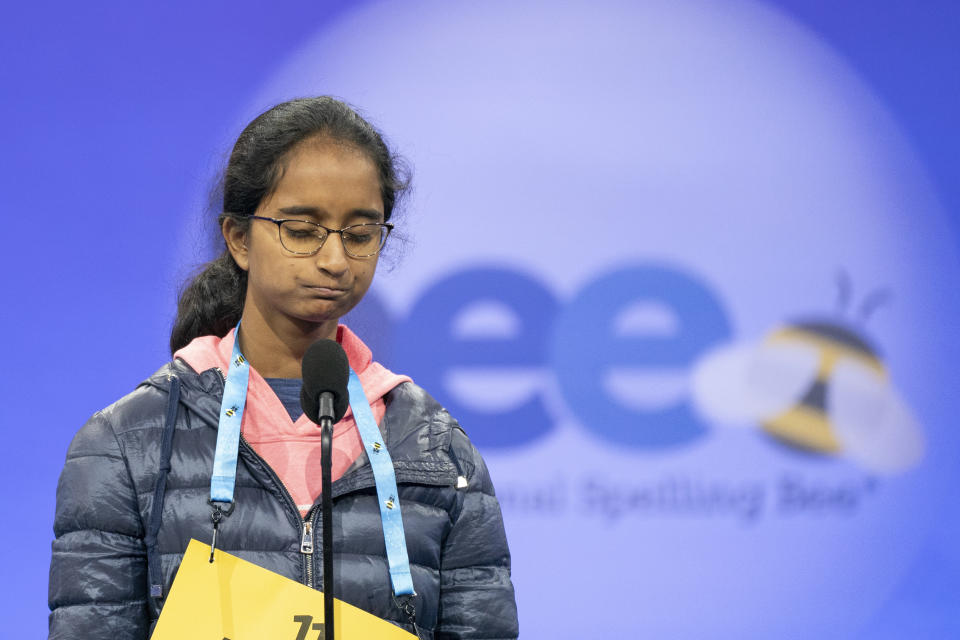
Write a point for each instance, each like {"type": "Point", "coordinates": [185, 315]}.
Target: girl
{"type": "Point", "coordinates": [307, 200]}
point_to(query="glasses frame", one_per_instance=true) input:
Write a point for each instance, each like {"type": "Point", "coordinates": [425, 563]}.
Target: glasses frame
{"type": "Point", "coordinates": [327, 230]}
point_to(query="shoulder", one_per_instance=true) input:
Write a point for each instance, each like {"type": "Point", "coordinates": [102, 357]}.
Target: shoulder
{"type": "Point", "coordinates": [97, 469]}
{"type": "Point", "coordinates": [145, 401]}
{"type": "Point", "coordinates": [128, 412]}
{"type": "Point", "coordinates": [411, 411]}
{"type": "Point", "coordinates": [144, 407]}
{"type": "Point", "coordinates": [417, 407]}
{"type": "Point", "coordinates": [413, 415]}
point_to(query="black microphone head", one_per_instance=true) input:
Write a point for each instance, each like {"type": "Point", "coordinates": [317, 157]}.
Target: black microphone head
{"type": "Point", "coordinates": [325, 368]}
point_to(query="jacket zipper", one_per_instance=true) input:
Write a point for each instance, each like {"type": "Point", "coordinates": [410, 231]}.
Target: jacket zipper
{"type": "Point", "coordinates": [306, 543]}
{"type": "Point", "coordinates": [307, 523]}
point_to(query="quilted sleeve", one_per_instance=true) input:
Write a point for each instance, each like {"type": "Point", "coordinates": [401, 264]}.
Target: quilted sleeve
{"type": "Point", "coordinates": [98, 573]}
{"type": "Point", "coordinates": [476, 593]}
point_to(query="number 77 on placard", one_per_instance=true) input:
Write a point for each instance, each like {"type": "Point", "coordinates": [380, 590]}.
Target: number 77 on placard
{"type": "Point", "coordinates": [305, 626]}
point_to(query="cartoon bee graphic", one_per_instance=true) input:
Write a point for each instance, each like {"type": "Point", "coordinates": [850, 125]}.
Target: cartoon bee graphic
{"type": "Point", "coordinates": [817, 385]}
{"type": "Point", "coordinates": [232, 410]}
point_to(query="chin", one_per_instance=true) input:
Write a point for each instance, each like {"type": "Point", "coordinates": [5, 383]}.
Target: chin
{"type": "Point", "coordinates": [325, 315]}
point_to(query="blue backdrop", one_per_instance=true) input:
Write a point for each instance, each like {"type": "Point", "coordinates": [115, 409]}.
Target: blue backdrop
{"type": "Point", "coordinates": [684, 271]}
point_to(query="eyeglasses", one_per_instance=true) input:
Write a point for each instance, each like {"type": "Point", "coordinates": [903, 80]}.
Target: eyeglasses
{"type": "Point", "coordinates": [306, 238]}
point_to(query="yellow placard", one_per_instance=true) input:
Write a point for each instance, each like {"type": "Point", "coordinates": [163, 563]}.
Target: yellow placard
{"type": "Point", "coordinates": [232, 599]}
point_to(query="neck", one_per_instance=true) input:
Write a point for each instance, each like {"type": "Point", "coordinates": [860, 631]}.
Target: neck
{"type": "Point", "coordinates": [275, 347]}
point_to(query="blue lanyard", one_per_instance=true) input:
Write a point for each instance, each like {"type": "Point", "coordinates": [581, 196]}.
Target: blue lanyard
{"type": "Point", "coordinates": [224, 476]}
{"type": "Point", "coordinates": [228, 431]}
{"type": "Point", "coordinates": [386, 481]}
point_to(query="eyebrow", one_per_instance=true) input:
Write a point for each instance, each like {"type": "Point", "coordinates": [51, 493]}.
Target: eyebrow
{"type": "Point", "coordinates": [306, 210]}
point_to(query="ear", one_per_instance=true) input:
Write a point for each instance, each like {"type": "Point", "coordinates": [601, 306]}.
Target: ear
{"type": "Point", "coordinates": [236, 239]}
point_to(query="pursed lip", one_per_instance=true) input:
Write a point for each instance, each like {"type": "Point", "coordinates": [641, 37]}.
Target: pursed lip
{"type": "Point", "coordinates": [325, 292]}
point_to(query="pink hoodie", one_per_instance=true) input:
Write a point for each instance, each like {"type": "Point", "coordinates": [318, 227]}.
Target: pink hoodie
{"type": "Point", "coordinates": [292, 449]}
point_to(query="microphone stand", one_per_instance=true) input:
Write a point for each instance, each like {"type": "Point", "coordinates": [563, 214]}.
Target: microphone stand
{"type": "Point", "coordinates": [326, 507]}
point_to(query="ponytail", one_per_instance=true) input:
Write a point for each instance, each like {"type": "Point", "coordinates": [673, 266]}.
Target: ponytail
{"type": "Point", "coordinates": [211, 304]}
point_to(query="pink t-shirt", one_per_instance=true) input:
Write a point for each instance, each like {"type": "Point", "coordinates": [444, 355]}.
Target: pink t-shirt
{"type": "Point", "coordinates": [292, 449]}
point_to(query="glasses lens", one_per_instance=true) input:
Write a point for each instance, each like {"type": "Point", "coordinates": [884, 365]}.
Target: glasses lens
{"type": "Point", "coordinates": [301, 237]}
{"type": "Point", "coordinates": [364, 240]}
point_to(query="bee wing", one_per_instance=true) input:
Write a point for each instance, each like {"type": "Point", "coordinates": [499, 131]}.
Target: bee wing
{"type": "Point", "coordinates": [872, 422]}
{"type": "Point", "coordinates": [742, 383]}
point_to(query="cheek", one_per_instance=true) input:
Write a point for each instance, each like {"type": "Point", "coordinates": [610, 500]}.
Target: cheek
{"type": "Point", "coordinates": [365, 274]}
{"type": "Point", "coordinates": [269, 272]}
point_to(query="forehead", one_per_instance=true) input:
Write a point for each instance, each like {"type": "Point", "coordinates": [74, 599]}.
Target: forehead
{"type": "Point", "coordinates": [327, 179]}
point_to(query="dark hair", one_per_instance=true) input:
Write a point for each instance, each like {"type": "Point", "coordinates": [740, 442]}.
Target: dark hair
{"type": "Point", "coordinates": [212, 302]}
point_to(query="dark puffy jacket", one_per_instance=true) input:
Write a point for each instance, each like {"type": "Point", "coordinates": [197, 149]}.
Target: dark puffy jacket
{"type": "Point", "coordinates": [99, 582]}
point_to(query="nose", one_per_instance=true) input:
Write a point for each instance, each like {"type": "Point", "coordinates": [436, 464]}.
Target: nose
{"type": "Point", "coordinates": [331, 258]}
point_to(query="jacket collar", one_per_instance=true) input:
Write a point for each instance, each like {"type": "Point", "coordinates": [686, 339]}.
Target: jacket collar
{"type": "Point", "coordinates": [417, 429]}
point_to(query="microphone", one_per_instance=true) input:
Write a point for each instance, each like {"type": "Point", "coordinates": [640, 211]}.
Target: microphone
{"type": "Point", "coordinates": [325, 374]}
{"type": "Point", "coordinates": [324, 398]}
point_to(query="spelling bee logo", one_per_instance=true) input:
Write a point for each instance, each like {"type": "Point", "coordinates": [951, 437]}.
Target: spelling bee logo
{"type": "Point", "coordinates": [817, 385]}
